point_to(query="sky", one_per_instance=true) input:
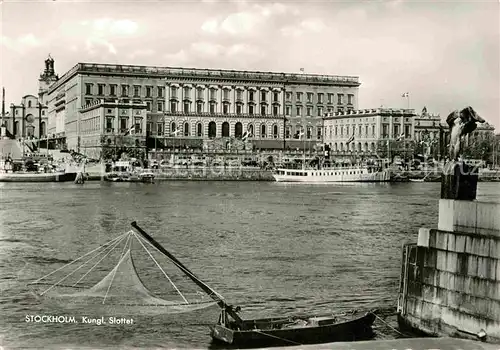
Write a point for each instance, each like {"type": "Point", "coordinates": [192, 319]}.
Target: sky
{"type": "Point", "coordinates": [445, 54]}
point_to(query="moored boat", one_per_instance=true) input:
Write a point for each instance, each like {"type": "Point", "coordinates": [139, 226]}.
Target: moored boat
{"type": "Point", "coordinates": [37, 177]}
{"type": "Point", "coordinates": [232, 329]}
{"type": "Point", "coordinates": [334, 174]}
{"type": "Point", "coordinates": [293, 330]}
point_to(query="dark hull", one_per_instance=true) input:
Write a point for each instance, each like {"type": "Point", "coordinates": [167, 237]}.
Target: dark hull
{"type": "Point", "coordinates": [355, 329]}
{"type": "Point", "coordinates": [43, 177]}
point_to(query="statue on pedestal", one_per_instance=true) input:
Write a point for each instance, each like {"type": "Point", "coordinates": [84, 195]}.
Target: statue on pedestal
{"type": "Point", "coordinates": [461, 123]}
{"type": "Point", "coordinates": [459, 180]}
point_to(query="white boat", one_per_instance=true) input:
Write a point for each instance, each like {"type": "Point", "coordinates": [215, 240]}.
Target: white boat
{"type": "Point", "coordinates": [334, 174]}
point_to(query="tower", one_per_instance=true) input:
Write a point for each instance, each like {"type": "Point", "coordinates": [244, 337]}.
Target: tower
{"type": "Point", "coordinates": [47, 78]}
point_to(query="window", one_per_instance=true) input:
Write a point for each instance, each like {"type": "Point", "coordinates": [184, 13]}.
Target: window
{"type": "Point", "coordinates": [309, 97]}
{"type": "Point", "coordinates": [160, 106]}
{"type": "Point", "coordinates": [187, 92]}
{"type": "Point", "coordinates": [275, 110]}
{"type": "Point", "coordinates": [359, 129]}
{"type": "Point", "coordinates": [288, 96]}
{"type": "Point", "coordinates": [336, 130]}
{"type": "Point", "coordinates": [320, 111]}
{"type": "Point", "coordinates": [309, 132]}
{"type": "Point", "coordinates": [366, 130]}
{"type": "Point", "coordinates": [173, 91]}
{"type": "Point", "coordinates": [309, 111]}
{"type": "Point", "coordinates": [385, 130]}
{"type": "Point", "coordinates": [186, 107]}
{"type": "Point", "coordinates": [330, 98]}
{"type": "Point", "coordinates": [407, 130]}
{"type": "Point", "coordinates": [396, 130]}
{"type": "Point", "coordinates": [212, 94]}
{"type": "Point", "coordinates": [250, 96]}
{"type": "Point", "coordinates": [199, 130]}
{"type": "Point", "coordinates": [226, 94]}
{"type": "Point", "coordinates": [263, 95]}
{"type": "Point", "coordinates": [299, 111]}
{"type": "Point", "coordinates": [199, 92]}
{"type": "Point", "coordinates": [124, 90]}
{"type": "Point", "coordinates": [288, 110]}
{"type": "Point", "coordinates": [100, 89]}
{"type": "Point", "coordinates": [29, 104]}
{"type": "Point", "coordinates": [299, 96]}
{"type": "Point", "coordinates": [199, 107]}
{"type": "Point", "coordinates": [239, 95]}
{"type": "Point", "coordinates": [123, 125]}
{"type": "Point", "coordinates": [276, 96]}
{"type": "Point", "coordinates": [340, 98]}
{"type": "Point", "coordinates": [225, 108]}
{"type": "Point", "coordinates": [373, 130]}
{"type": "Point", "coordinates": [160, 91]}
{"type": "Point", "coordinates": [262, 130]}
{"type": "Point", "coordinates": [87, 101]}
{"type": "Point", "coordinates": [186, 129]}
{"type": "Point", "coordinates": [320, 97]}
{"type": "Point", "coordinates": [137, 91]}
{"type": "Point", "coordinates": [263, 110]}
{"type": "Point", "coordinates": [112, 90]}
{"type": "Point", "coordinates": [159, 129]}
{"type": "Point", "coordinates": [148, 106]}
{"type": "Point", "coordinates": [149, 126]}
{"type": "Point", "coordinates": [250, 109]}
{"type": "Point", "coordinates": [318, 134]}
{"type": "Point", "coordinates": [288, 131]}
{"type": "Point", "coordinates": [238, 108]}
{"type": "Point", "coordinates": [88, 89]}
{"type": "Point", "coordinates": [109, 125]}
{"type": "Point", "coordinates": [350, 99]}
{"type": "Point", "coordinates": [173, 106]}
{"type": "Point", "coordinates": [275, 131]}
{"type": "Point", "coordinates": [212, 108]}
{"type": "Point", "coordinates": [148, 91]}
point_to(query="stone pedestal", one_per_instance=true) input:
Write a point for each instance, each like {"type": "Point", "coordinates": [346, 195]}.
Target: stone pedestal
{"type": "Point", "coordinates": [459, 181]}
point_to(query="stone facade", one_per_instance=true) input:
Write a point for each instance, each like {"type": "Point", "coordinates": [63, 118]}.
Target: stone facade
{"type": "Point", "coordinates": [201, 103]}
{"type": "Point", "coordinates": [367, 127]}
{"type": "Point", "coordinates": [28, 119]}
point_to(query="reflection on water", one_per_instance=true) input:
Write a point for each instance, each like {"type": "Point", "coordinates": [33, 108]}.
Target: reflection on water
{"type": "Point", "coordinates": [272, 248]}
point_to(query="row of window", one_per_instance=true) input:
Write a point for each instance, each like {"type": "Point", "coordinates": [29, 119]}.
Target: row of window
{"type": "Point", "coordinates": [320, 97]}
{"type": "Point", "coordinates": [138, 90]}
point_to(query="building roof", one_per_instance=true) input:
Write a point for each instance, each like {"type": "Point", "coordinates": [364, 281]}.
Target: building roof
{"type": "Point", "coordinates": [209, 74]}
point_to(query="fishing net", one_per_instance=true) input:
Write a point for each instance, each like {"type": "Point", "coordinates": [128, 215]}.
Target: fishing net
{"type": "Point", "coordinates": [121, 288]}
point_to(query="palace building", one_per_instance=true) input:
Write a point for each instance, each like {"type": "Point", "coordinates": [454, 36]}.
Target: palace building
{"type": "Point", "coordinates": [94, 105]}
{"type": "Point", "coordinates": [360, 131]}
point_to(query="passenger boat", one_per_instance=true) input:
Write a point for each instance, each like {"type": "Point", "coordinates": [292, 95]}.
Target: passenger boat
{"type": "Point", "coordinates": [37, 177]}
{"type": "Point", "coordinates": [232, 329]}
{"type": "Point", "coordinates": [334, 174]}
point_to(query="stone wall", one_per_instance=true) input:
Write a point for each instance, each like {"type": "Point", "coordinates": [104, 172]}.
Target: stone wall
{"type": "Point", "coordinates": [450, 282]}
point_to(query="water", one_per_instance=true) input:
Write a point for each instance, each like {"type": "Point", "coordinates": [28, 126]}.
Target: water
{"type": "Point", "coordinates": [271, 248]}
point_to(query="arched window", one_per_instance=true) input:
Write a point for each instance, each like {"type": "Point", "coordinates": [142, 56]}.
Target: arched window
{"type": "Point", "coordinates": [225, 129]}
{"type": "Point", "coordinates": [336, 147]}
{"type": "Point", "coordinates": [359, 146]}
{"type": "Point", "coordinates": [199, 130]}
{"type": "Point", "coordinates": [309, 132]}
{"type": "Point", "coordinates": [173, 127]}
{"type": "Point", "coordinates": [212, 129]}
{"type": "Point", "coordinates": [373, 146]}
{"type": "Point", "coordinates": [238, 130]}
{"type": "Point", "coordinates": [263, 130]}
{"type": "Point", "coordinates": [341, 147]}
{"type": "Point", "coordinates": [250, 130]}
{"type": "Point", "coordinates": [43, 130]}
{"type": "Point", "coordinates": [275, 131]}
{"type": "Point", "coordinates": [186, 129]}
{"type": "Point", "coordinates": [366, 147]}
{"type": "Point", "coordinates": [288, 132]}
{"type": "Point", "coordinates": [29, 104]}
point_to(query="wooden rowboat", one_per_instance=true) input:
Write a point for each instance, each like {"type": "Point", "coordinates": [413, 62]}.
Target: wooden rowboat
{"type": "Point", "coordinates": [293, 330]}
{"type": "Point", "coordinates": [233, 330]}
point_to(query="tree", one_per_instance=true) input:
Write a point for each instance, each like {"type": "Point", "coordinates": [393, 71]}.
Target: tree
{"type": "Point", "coordinates": [480, 147]}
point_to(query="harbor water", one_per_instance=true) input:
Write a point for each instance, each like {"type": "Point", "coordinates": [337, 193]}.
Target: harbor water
{"type": "Point", "coordinates": [271, 248]}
